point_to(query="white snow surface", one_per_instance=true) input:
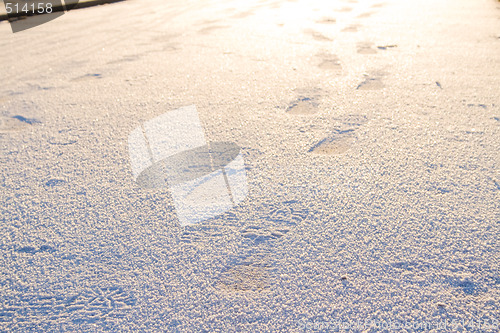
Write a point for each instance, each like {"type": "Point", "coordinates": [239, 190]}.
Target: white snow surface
{"type": "Point", "coordinates": [370, 132]}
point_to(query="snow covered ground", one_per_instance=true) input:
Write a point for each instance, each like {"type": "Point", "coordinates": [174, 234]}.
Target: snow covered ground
{"type": "Point", "coordinates": [370, 132]}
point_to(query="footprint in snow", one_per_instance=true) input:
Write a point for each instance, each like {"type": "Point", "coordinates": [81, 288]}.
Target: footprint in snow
{"type": "Point", "coordinates": [351, 28]}
{"type": "Point", "coordinates": [268, 224]}
{"type": "Point", "coordinates": [337, 144]}
{"type": "Point", "coordinates": [371, 83]}
{"type": "Point", "coordinates": [327, 20]}
{"type": "Point", "coordinates": [16, 123]}
{"type": "Point", "coordinates": [303, 106]}
{"type": "Point", "coordinates": [318, 35]}
{"type": "Point", "coordinates": [365, 15]}
{"type": "Point", "coordinates": [330, 62]}
{"type": "Point", "coordinates": [248, 276]}
{"type": "Point", "coordinates": [342, 138]}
